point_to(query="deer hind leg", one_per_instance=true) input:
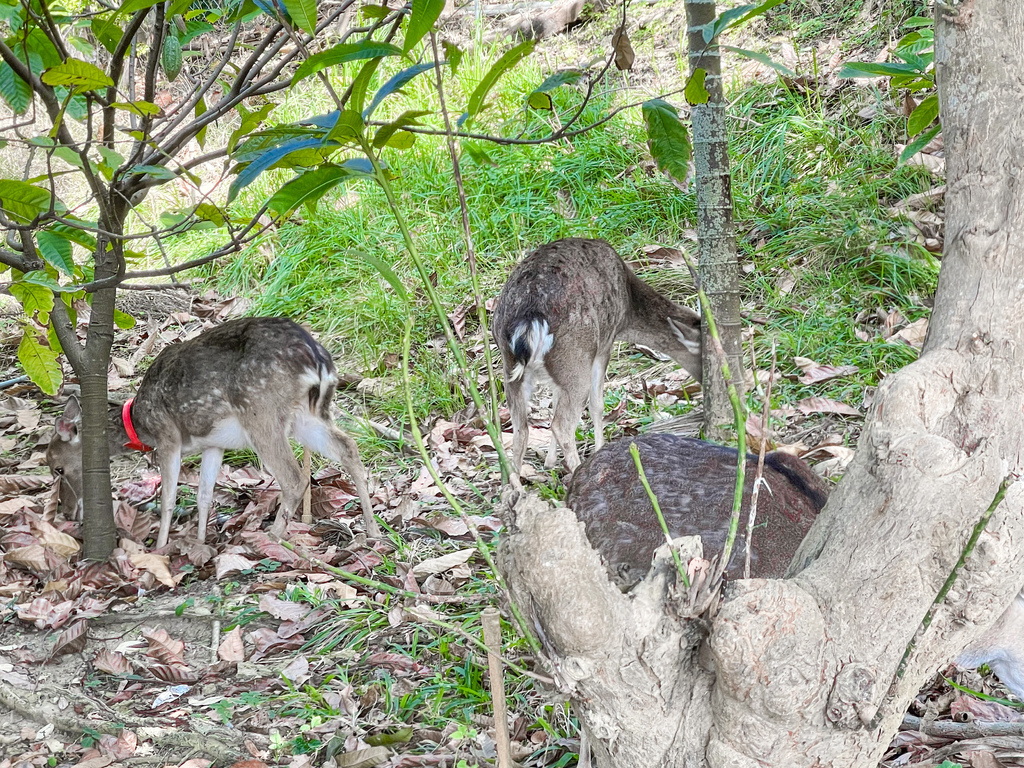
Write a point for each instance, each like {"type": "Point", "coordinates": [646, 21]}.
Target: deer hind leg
{"type": "Point", "coordinates": [597, 374]}
{"type": "Point", "coordinates": [271, 444]}
{"type": "Point", "coordinates": [213, 459]}
{"type": "Point", "coordinates": [569, 402]}
{"type": "Point", "coordinates": [325, 438]}
{"type": "Point", "coordinates": [517, 393]}
{"type": "Point", "coordinates": [170, 467]}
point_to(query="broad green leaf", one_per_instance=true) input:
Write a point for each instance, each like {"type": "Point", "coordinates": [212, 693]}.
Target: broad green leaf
{"type": "Point", "coordinates": [40, 363]}
{"type": "Point", "coordinates": [348, 127]}
{"type": "Point", "coordinates": [919, 143]}
{"type": "Point", "coordinates": [251, 172]}
{"type": "Point", "coordinates": [477, 154]}
{"type": "Point", "coordinates": [695, 92]}
{"type": "Point", "coordinates": [312, 185]}
{"type": "Point", "coordinates": [361, 84]}
{"type": "Point", "coordinates": [42, 53]}
{"type": "Point", "coordinates": [77, 74]}
{"type": "Point", "coordinates": [500, 67]}
{"type": "Point", "coordinates": [111, 160]}
{"type": "Point", "coordinates": [873, 69]}
{"type": "Point", "coordinates": [303, 13]}
{"type": "Point", "coordinates": [763, 58]}
{"type": "Point", "coordinates": [56, 250]}
{"type": "Point", "coordinates": [74, 234]}
{"type": "Point", "coordinates": [123, 320]}
{"type": "Point", "coordinates": [923, 115]}
{"type": "Point", "coordinates": [401, 140]}
{"type": "Point", "coordinates": [734, 17]}
{"type": "Point", "coordinates": [539, 98]}
{"type": "Point", "coordinates": [385, 132]}
{"type": "Point", "coordinates": [107, 31]}
{"type": "Point", "coordinates": [140, 108]}
{"type": "Point", "coordinates": [34, 298]}
{"type": "Point", "coordinates": [82, 45]}
{"type": "Point", "coordinates": [375, 12]}
{"type": "Point", "coordinates": [39, 277]}
{"type": "Point", "coordinates": [918, 21]}
{"type": "Point", "coordinates": [343, 52]}
{"type": "Point", "coordinates": [21, 201]}
{"type": "Point", "coordinates": [250, 121]}
{"type": "Point", "coordinates": [210, 212]}
{"type": "Point", "coordinates": [16, 92]}
{"type": "Point", "coordinates": [154, 171]}
{"type": "Point", "coordinates": [424, 14]}
{"type": "Point", "coordinates": [668, 139]}
{"type": "Point", "coordinates": [395, 83]}
{"type": "Point", "coordinates": [452, 55]}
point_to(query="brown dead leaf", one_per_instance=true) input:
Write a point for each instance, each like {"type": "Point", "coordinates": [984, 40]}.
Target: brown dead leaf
{"type": "Point", "coordinates": [57, 542]}
{"type": "Point", "coordinates": [164, 647]}
{"type": "Point", "coordinates": [980, 758]}
{"type": "Point", "coordinates": [810, 405]}
{"type": "Point", "coordinates": [443, 563]}
{"type": "Point", "coordinates": [914, 334]}
{"type": "Point", "coordinates": [231, 564]}
{"type": "Point", "coordinates": [813, 373]}
{"type": "Point", "coordinates": [173, 673]}
{"type": "Point", "coordinates": [71, 640]}
{"type": "Point", "coordinates": [458, 320]}
{"type": "Point", "coordinates": [786, 283]}
{"type": "Point", "coordinates": [285, 610]}
{"type": "Point", "coordinates": [45, 614]}
{"type": "Point", "coordinates": [32, 557]}
{"type": "Point", "coordinates": [232, 648]}
{"type": "Point", "coordinates": [297, 670]}
{"type": "Point", "coordinates": [158, 565]}
{"type": "Point", "coordinates": [624, 55]}
{"type": "Point", "coordinates": [964, 708]}
{"type": "Point", "coordinates": [111, 662]}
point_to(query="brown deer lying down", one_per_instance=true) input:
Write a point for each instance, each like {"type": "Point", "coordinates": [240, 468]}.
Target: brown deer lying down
{"type": "Point", "coordinates": [557, 319]}
{"type": "Point", "coordinates": [249, 383]}
{"type": "Point", "coordinates": [694, 481]}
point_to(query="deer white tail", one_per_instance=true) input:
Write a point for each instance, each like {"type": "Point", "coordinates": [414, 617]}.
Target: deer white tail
{"type": "Point", "coordinates": [529, 341]}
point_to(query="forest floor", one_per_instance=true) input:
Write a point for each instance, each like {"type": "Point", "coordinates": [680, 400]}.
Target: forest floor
{"type": "Point", "coordinates": [339, 650]}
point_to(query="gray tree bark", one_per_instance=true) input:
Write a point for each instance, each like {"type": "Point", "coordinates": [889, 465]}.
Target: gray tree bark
{"type": "Point", "coordinates": [718, 266]}
{"type": "Point", "coordinates": [791, 672]}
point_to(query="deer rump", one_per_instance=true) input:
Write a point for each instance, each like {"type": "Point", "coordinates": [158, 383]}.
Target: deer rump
{"type": "Point", "coordinates": [694, 482]}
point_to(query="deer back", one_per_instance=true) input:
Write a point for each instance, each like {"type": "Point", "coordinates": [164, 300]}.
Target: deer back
{"type": "Point", "coordinates": [694, 483]}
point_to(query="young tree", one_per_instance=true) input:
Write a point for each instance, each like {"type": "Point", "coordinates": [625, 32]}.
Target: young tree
{"type": "Point", "coordinates": [807, 671]}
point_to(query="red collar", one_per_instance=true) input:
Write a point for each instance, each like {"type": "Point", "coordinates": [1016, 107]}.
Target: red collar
{"type": "Point", "coordinates": [133, 439]}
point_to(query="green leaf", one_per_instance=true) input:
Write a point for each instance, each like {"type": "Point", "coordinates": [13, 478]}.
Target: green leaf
{"type": "Point", "coordinates": [539, 98]}
{"type": "Point", "coordinates": [873, 69]}
{"type": "Point", "coordinates": [668, 139]}
{"type": "Point", "coordinates": [452, 55]}
{"type": "Point", "coordinates": [477, 154]}
{"type": "Point", "coordinates": [385, 270]}
{"type": "Point", "coordinates": [385, 132]}
{"type": "Point", "coordinates": [343, 52]}
{"type": "Point", "coordinates": [395, 83]}
{"type": "Point", "coordinates": [424, 14]}
{"type": "Point", "coordinates": [500, 67]}
{"type": "Point", "coordinates": [21, 201]}
{"type": "Point", "coordinates": [123, 320]}
{"type": "Point", "coordinates": [735, 17]}
{"type": "Point", "coordinates": [154, 171]}
{"type": "Point", "coordinates": [40, 363]}
{"type": "Point", "coordinates": [303, 13]}
{"type": "Point", "coordinates": [39, 277]}
{"type": "Point", "coordinates": [16, 92]}
{"type": "Point", "coordinates": [140, 108]}
{"type": "Point", "coordinates": [918, 21]}
{"type": "Point", "coordinates": [348, 127]}
{"type": "Point", "coordinates": [56, 250]}
{"type": "Point", "coordinates": [34, 298]}
{"type": "Point", "coordinates": [200, 110]}
{"type": "Point", "coordinates": [923, 115]}
{"type": "Point", "coordinates": [78, 74]}
{"type": "Point", "coordinates": [918, 144]}
{"type": "Point", "coordinates": [250, 120]}
{"type": "Point", "coordinates": [375, 12]}
{"type": "Point", "coordinates": [763, 58]}
{"type": "Point", "coordinates": [695, 92]}
{"type": "Point", "coordinates": [312, 185]}
{"type": "Point", "coordinates": [361, 84]}
{"type": "Point", "coordinates": [251, 172]}
{"type": "Point", "coordinates": [107, 31]}
{"type": "Point", "coordinates": [210, 212]}
{"type": "Point", "coordinates": [75, 234]}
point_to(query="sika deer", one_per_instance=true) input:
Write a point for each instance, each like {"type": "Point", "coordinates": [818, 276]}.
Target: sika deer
{"type": "Point", "coordinates": [557, 319]}
{"type": "Point", "coordinates": [693, 482]}
{"type": "Point", "coordinates": [249, 383]}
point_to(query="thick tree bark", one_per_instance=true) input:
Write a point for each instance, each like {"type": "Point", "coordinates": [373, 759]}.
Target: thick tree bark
{"type": "Point", "coordinates": [799, 668]}
{"type": "Point", "coordinates": [718, 266]}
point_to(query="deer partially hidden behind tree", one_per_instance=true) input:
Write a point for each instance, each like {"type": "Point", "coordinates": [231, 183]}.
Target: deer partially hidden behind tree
{"type": "Point", "coordinates": [557, 319]}
{"type": "Point", "coordinates": [248, 383]}
{"type": "Point", "coordinates": [693, 481]}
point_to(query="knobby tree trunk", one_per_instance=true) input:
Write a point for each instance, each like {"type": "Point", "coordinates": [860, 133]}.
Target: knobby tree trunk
{"type": "Point", "coordinates": [792, 672]}
{"type": "Point", "coordinates": [718, 267]}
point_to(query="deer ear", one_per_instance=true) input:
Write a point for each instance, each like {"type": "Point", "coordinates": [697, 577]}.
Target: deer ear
{"type": "Point", "coordinates": [688, 335]}
{"type": "Point", "coordinates": [67, 423]}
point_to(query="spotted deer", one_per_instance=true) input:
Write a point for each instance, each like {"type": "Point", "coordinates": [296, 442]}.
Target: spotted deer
{"type": "Point", "coordinates": [248, 383]}
{"type": "Point", "coordinates": [693, 481]}
{"type": "Point", "coordinates": [556, 321]}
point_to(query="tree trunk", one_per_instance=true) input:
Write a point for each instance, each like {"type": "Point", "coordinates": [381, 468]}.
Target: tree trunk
{"type": "Point", "coordinates": [798, 668]}
{"type": "Point", "coordinates": [718, 267]}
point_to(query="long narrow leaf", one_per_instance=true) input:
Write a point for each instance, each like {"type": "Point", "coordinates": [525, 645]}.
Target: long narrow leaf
{"type": "Point", "coordinates": [343, 52]}
{"type": "Point", "coordinates": [251, 172]}
{"type": "Point", "coordinates": [421, 21]}
{"type": "Point", "coordinates": [918, 144]}
{"type": "Point", "coordinates": [500, 67]}
{"type": "Point", "coordinates": [763, 58]}
{"type": "Point", "coordinates": [396, 82]}
{"type": "Point", "coordinates": [308, 188]}
{"type": "Point", "coordinates": [303, 13]}
{"type": "Point", "coordinates": [873, 69]}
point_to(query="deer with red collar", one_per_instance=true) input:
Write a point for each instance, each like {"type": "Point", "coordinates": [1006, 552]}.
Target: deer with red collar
{"type": "Point", "coordinates": [248, 383]}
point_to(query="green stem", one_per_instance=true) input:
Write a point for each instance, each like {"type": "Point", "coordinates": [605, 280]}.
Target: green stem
{"type": "Point", "coordinates": [635, 452]}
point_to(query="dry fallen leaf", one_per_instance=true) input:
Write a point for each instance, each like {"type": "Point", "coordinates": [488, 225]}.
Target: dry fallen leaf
{"type": "Point", "coordinates": [810, 405]}
{"type": "Point", "coordinates": [232, 648]}
{"type": "Point", "coordinates": [914, 333]}
{"type": "Point", "coordinates": [814, 373]}
{"type": "Point", "coordinates": [158, 565]}
{"type": "Point", "coordinates": [441, 564]}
